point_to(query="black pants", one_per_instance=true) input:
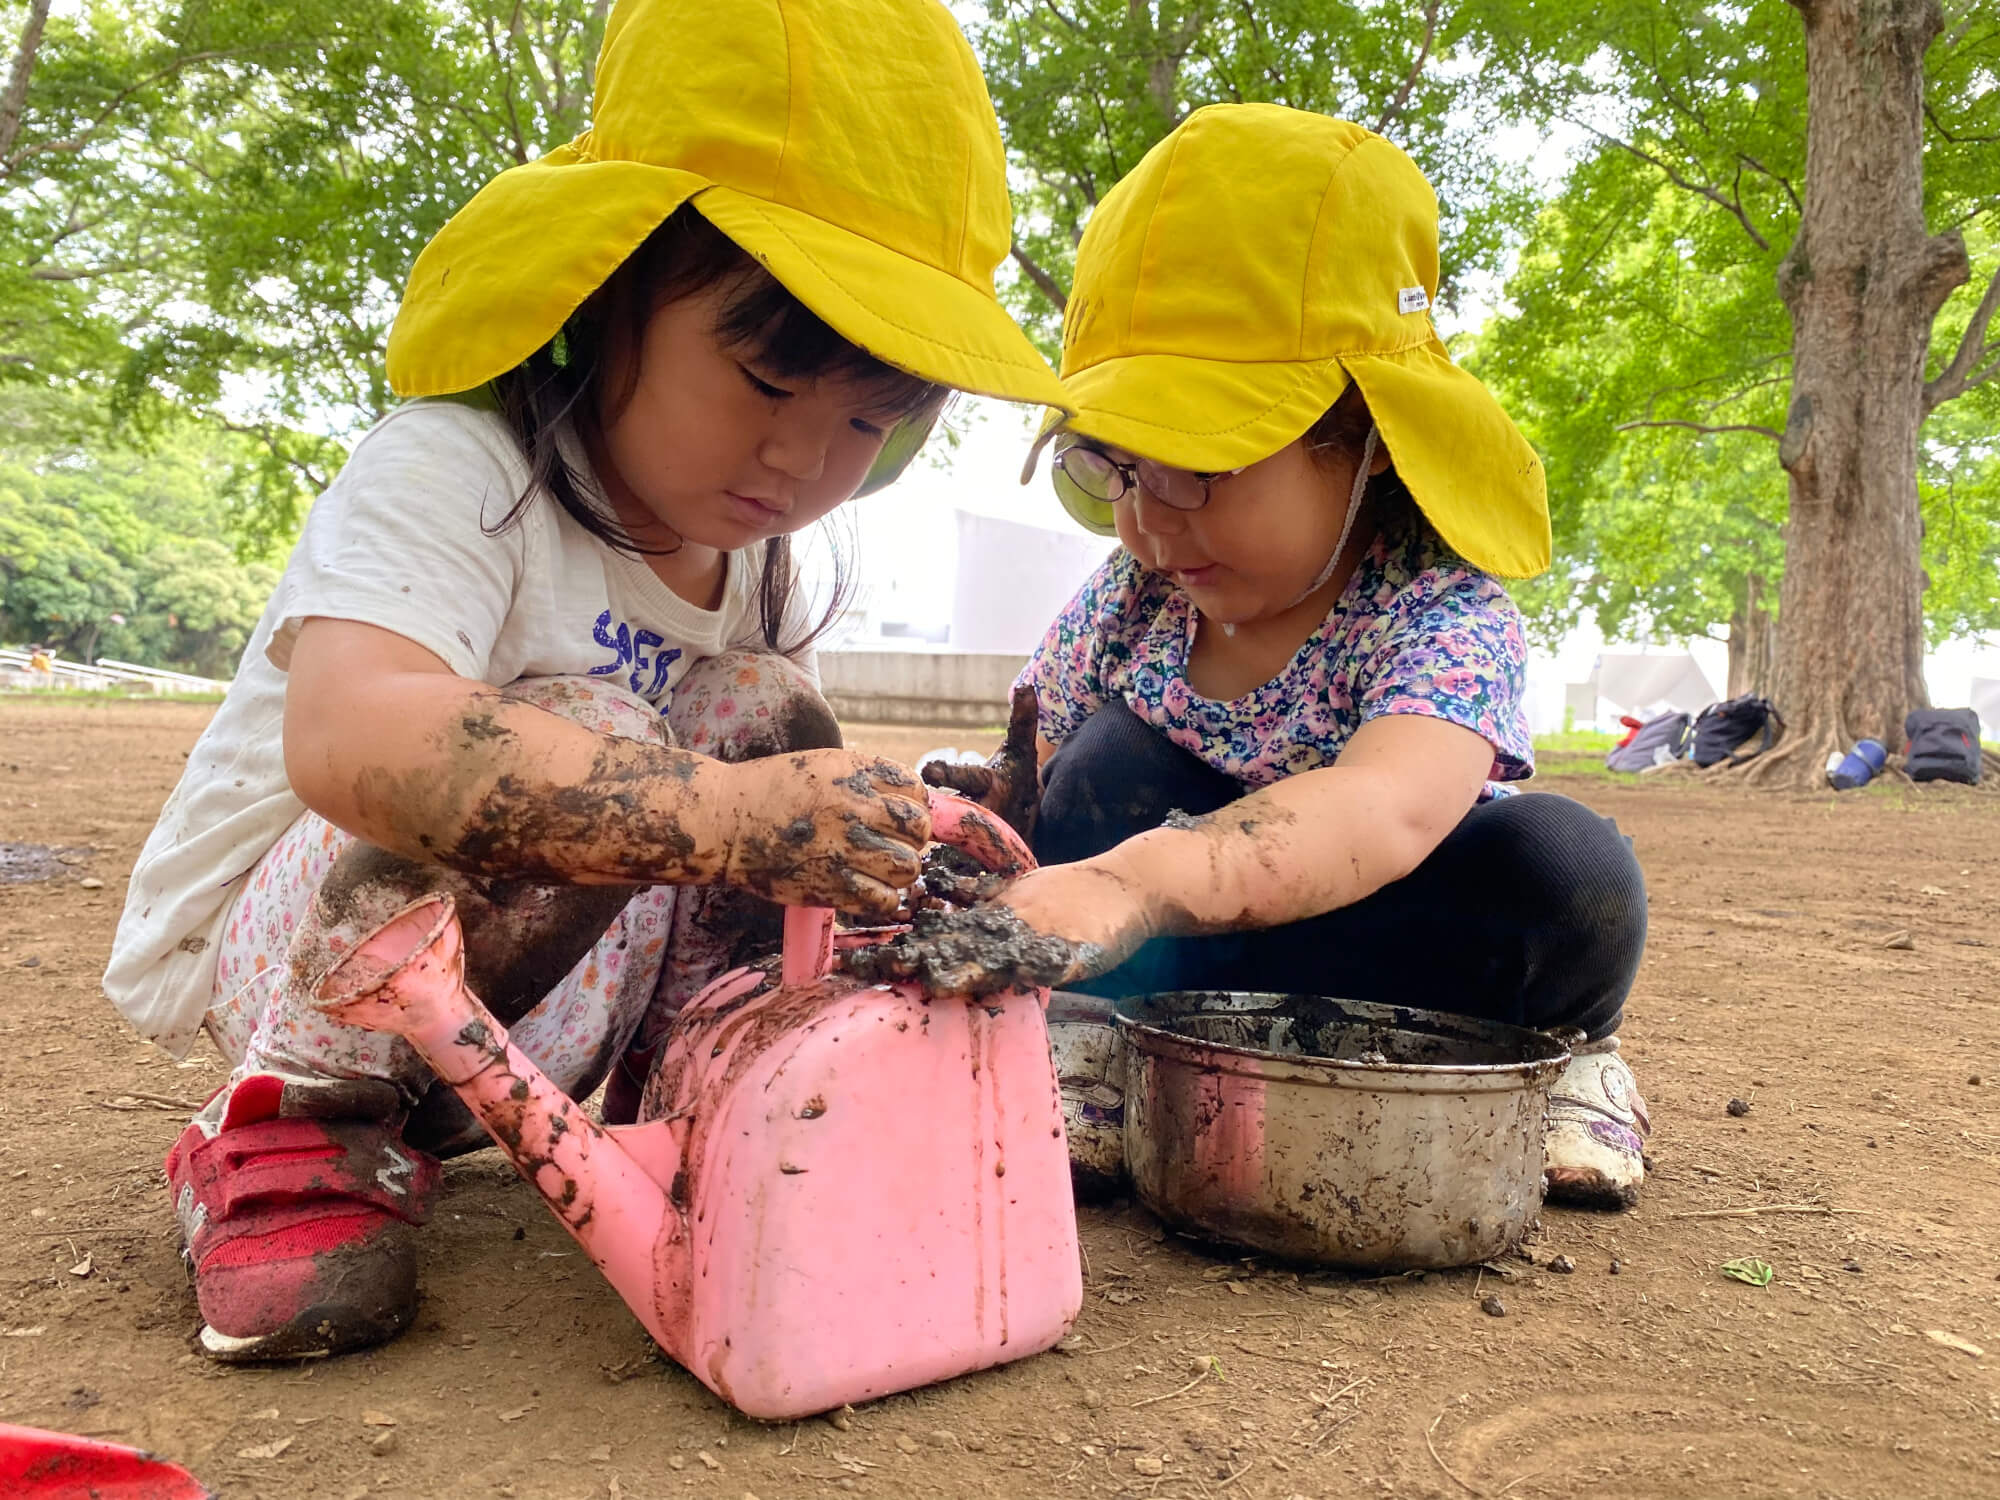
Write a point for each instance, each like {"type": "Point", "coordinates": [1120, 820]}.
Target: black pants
{"type": "Point", "coordinates": [1532, 911]}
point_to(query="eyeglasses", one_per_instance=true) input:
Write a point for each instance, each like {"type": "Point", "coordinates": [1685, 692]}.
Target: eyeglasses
{"type": "Point", "coordinates": [1096, 475]}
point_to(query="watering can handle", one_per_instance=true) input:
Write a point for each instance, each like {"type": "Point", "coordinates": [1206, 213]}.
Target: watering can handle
{"type": "Point", "coordinates": [955, 820]}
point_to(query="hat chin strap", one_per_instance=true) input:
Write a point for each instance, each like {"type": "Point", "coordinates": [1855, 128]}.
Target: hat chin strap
{"type": "Point", "coordinates": [1346, 528]}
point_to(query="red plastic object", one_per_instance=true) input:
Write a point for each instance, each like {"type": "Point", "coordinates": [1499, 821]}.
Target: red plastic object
{"type": "Point", "coordinates": [36, 1464]}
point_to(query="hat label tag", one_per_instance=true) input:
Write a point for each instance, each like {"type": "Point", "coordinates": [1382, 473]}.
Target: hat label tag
{"type": "Point", "coordinates": [1412, 299]}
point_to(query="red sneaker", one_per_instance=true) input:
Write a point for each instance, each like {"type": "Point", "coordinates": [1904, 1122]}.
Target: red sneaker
{"type": "Point", "coordinates": [300, 1228]}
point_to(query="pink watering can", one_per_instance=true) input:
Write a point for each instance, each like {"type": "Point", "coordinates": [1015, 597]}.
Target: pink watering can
{"type": "Point", "coordinates": [836, 1191]}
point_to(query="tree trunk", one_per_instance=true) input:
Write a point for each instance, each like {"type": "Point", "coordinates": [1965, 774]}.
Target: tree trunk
{"type": "Point", "coordinates": [1862, 283]}
{"type": "Point", "coordinates": [1752, 641]}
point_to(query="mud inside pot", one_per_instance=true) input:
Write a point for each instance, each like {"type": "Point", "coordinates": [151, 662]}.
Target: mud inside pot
{"type": "Point", "coordinates": [1313, 1028]}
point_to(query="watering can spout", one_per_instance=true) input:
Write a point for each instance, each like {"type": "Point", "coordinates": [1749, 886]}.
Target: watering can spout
{"type": "Point", "coordinates": [408, 978]}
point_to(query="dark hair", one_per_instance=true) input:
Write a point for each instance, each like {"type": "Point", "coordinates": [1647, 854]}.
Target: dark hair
{"type": "Point", "coordinates": [1344, 428]}
{"type": "Point", "coordinates": [566, 383]}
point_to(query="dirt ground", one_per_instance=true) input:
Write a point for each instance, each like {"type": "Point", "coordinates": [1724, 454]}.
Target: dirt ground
{"type": "Point", "coordinates": [1872, 1145]}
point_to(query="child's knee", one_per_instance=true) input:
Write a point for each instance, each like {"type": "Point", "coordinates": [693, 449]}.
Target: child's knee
{"type": "Point", "coordinates": [1575, 872]}
{"type": "Point", "coordinates": [597, 703]}
{"type": "Point", "coordinates": [745, 705]}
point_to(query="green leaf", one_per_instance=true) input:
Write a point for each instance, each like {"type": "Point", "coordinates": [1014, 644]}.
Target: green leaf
{"type": "Point", "coordinates": [1756, 1272]}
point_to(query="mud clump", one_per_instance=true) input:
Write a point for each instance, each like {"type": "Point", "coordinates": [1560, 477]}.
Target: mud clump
{"type": "Point", "coordinates": [974, 952]}
{"type": "Point", "coordinates": [21, 864]}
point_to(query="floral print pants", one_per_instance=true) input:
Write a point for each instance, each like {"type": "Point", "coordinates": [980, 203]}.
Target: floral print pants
{"type": "Point", "coordinates": [657, 953]}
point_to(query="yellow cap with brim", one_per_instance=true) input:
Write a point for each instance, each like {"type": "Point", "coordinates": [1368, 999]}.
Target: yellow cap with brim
{"type": "Point", "coordinates": [1219, 311]}
{"type": "Point", "coordinates": [848, 145]}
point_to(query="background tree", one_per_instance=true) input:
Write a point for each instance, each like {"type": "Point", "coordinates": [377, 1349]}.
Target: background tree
{"type": "Point", "coordinates": [1829, 160]}
{"type": "Point", "coordinates": [137, 552]}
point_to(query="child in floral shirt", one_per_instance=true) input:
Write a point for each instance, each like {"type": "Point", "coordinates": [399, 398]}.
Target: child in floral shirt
{"type": "Point", "coordinates": [1270, 744]}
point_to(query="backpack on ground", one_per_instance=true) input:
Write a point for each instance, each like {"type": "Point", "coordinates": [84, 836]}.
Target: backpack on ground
{"type": "Point", "coordinates": [1654, 743]}
{"type": "Point", "coordinates": [1723, 727]}
{"type": "Point", "coordinates": [1943, 745]}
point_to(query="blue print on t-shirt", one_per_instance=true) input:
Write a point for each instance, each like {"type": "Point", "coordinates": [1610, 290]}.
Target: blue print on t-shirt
{"type": "Point", "coordinates": [632, 648]}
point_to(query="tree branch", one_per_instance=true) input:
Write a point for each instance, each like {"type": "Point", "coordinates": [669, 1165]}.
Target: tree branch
{"type": "Point", "coordinates": [1714, 195]}
{"type": "Point", "coordinates": [1395, 106]}
{"type": "Point", "coordinates": [74, 143]}
{"type": "Point", "coordinates": [516, 34]}
{"type": "Point", "coordinates": [15, 99]}
{"type": "Point", "coordinates": [84, 273]}
{"type": "Point", "coordinates": [1958, 377]}
{"type": "Point", "coordinates": [1768, 432]}
{"type": "Point", "coordinates": [1050, 287]}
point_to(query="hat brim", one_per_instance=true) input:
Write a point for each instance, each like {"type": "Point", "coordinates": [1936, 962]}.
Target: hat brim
{"type": "Point", "coordinates": [499, 280]}
{"type": "Point", "coordinates": [1464, 462]}
{"type": "Point", "coordinates": [907, 314]}
{"type": "Point", "coordinates": [496, 284]}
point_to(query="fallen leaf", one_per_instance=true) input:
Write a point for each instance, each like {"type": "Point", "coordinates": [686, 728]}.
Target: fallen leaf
{"type": "Point", "coordinates": [377, 1419]}
{"type": "Point", "coordinates": [1749, 1269]}
{"type": "Point", "coordinates": [1238, 1288]}
{"type": "Point", "coordinates": [1118, 1296]}
{"type": "Point", "coordinates": [268, 1414]}
{"type": "Point", "coordinates": [516, 1414]}
{"type": "Point", "coordinates": [1953, 1341]}
{"type": "Point", "coordinates": [1934, 890]}
{"type": "Point", "coordinates": [1152, 1468]}
{"type": "Point", "coordinates": [82, 1267]}
{"type": "Point", "coordinates": [266, 1450]}
{"type": "Point", "coordinates": [1901, 941]}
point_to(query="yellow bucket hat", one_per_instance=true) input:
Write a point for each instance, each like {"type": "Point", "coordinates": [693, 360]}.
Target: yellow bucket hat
{"type": "Point", "coordinates": [849, 145]}
{"type": "Point", "coordinates": [1228, 289]}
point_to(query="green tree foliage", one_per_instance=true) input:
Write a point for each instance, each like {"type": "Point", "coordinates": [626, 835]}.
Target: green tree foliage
{"type": "Point", "coordinates": [1085, 87]}
{"type": "Point", "coordinates": [118, 550]}
{"type": "Point", "coordinates": [1643, 340]}
{"type": "Point", "coordinates": [208, 208]}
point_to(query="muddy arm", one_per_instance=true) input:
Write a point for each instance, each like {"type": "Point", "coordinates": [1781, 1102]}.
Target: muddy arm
{"type": "Point", "coordinates": [1314, 842]}
{"type": "Point", "coordinates": [1309, 844]}
{"type": "Point", "coordinates": [385, 741]}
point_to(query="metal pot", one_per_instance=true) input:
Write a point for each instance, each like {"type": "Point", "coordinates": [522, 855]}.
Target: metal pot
{"type": "Point", "coordinates": [1373, 1137]}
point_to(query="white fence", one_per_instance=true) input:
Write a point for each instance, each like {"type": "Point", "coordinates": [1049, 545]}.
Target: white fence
{"type": "Point", "coordinates": [17, 670]}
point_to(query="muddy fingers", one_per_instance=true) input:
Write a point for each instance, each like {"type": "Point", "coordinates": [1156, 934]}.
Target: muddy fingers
{"type": "Point", "coordinates": [826, 828]}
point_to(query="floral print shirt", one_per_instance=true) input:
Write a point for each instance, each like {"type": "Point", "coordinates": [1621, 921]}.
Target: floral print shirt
{"type": "Point", "coordinates": [1417, 630]}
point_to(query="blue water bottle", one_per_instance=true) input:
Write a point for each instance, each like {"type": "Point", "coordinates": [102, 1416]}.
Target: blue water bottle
{"type": "Point", "coordinates": [1858, 766]}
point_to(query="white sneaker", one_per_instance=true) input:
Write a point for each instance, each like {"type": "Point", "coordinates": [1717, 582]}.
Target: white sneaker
{"type": "Point", "coordinates": [1090, 1068]}
{"type": "Point", "coordinates": [1598, 1126]}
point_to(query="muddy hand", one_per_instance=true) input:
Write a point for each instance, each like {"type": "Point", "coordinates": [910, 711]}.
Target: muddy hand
{"type": "Point", "coordinates": [1009, 784]}
{"type": "Point", "coordinates": [1056, 926]}
{"type": "Point", "coordinates": [826, 828]}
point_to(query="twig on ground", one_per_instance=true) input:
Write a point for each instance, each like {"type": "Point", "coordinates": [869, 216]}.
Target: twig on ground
{"type": "Point", "coordinates": [1107, 1348]}
{"type": "Point", "coordinates": [1207, 1370]}
{"type": "Point", "coordinates": [1767, 1208]}
{"type": "Point", "coordinates": [1440, 1457]}
{"type": "Point", "coordinates": [158, 1101]}
{"type": "Point", "coordinates": [1226, 1483]}
{"type": "Point", "coordinates": [1522, 1479]}
{"type": "Point", "coordinates": [1331, 1429]}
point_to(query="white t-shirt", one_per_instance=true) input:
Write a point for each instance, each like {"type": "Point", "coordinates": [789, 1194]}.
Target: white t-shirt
{"type": "Point", "coordinates": [398, 542]}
